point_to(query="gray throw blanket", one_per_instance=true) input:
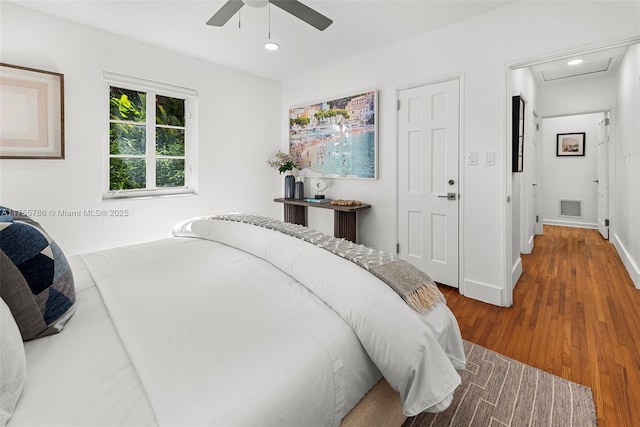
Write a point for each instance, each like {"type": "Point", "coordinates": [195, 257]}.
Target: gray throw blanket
{"type": "Point", "coordinates": [414, 286]}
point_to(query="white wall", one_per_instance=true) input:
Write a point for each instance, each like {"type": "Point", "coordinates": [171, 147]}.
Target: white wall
{"type": "Point", "coordinates": [570, 178]}
{"type": "Point", "coordinates": [625, 229]}
{"type": "Point", "coordinates": [477, 49]}
{"type": "Point", "coordinates": [577, 96]}
{"type": "Point", "coordinates": [233, 174]}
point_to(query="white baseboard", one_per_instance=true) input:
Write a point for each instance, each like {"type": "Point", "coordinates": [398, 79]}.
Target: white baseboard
{"type": "Point", "coordinates": [516, 272]}
{"type": "Point", "coordinates": [527, 247]}
{"type": "Point", "coordinates": [627, 260]}
{"type": "Point", "coordinates": [483, 292]}
{"type": "Point", "coordinates": [563, 223]}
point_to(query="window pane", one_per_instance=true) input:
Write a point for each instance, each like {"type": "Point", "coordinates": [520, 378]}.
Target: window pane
{"type": "Point", "coordinates": [127, 174]}
{"type": "Point", "coordinates": [170, 173]}
{"type": "Point", "coordinates": [128, 105]}
{"type": "Point", "coordinates": [169, 111]}
{"type": "Point", "coordinates": [169, 142]}
{"type": "Point", "coordinates": [127, 139]}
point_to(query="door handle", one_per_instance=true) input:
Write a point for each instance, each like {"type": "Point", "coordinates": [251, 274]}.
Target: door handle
{"type": "Point", "coordinates": [449, 196]}
{"type": "Point", "coordinates": [597, 181]}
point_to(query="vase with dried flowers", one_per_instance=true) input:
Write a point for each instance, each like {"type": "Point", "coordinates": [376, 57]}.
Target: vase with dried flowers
{"type": "Point", "coordinates": [285, 163]}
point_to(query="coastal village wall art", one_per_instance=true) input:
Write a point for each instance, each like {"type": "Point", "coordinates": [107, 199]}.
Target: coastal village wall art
{"type": "Point", "coordinates": [336, 138]}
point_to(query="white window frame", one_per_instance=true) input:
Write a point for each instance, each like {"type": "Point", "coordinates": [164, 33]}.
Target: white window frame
{"type": "Point", "coordinates": [153, 89]}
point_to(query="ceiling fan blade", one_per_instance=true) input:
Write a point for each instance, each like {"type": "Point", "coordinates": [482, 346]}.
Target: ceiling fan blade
{"type": "Point", "coordinates": [225, 13]}
{"type": "Point", "coordinates": [304, 12]}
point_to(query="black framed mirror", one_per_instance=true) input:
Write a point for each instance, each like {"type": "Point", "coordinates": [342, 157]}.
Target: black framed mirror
{"type": "Point", "coordinates": [517, 133]}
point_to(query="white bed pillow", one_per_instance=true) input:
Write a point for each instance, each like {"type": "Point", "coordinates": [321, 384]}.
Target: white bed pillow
{"type": "Point", "coordinates": [13, 364]}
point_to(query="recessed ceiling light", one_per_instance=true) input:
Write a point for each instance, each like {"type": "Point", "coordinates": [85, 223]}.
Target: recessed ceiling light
{"type": "Point", "coordinates": [575, 62]}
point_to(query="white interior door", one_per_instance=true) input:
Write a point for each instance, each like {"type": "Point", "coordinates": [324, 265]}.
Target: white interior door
{"type": "Point", "coordinates": [602, 179]}
{"type": "Point", "coordinates": [538, 190]}
{"type": "Point", "coordinates": [429, 121]}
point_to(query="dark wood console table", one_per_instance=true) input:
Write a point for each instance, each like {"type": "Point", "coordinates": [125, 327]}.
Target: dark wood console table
{"type": "Point", "coordinates": [344, 217]}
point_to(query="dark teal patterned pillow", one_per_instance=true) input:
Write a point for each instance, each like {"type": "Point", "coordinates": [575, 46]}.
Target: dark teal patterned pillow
{"type": "Point", "coordinates": [36, 280]}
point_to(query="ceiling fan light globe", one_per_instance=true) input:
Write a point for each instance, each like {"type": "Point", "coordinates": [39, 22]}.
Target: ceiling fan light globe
{"type": "Point", "coordinates": [256, 3]}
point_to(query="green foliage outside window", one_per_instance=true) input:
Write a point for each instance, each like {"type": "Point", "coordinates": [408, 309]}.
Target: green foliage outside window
{"type": "Point", "coordinates": [169, 111]}
{"type": "Point", "coordinates": [127, 140]}
{"type": "Point", "coordinates": [170, 172]}
{"type": "Point", "coordinates": [127, 173]}
{"type": "Point", "coordinates": [128, 105]}
{"type": "Point", "coordinates": [169, 142]}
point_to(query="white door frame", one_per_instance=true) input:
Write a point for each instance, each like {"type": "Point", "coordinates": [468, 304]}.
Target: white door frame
{"type": "Point", "coordinates": [603, 168]}
{"type": "Point", "coordinates": [527, 205]}
{"type": "Point", "coordinates": [460, 78]}
{"type": "Point", "coordinates": [538, 177]}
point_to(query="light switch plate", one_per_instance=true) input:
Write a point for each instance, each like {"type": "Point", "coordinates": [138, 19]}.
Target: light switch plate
{"type": "Point", "coordinates": [490, 158]}
{"type": "Point", "coordinates": [472, 157]}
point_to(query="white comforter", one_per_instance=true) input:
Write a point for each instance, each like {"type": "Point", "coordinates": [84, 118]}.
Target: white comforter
{"type": "Point", "coordinates": [219, 337]}
{"type": "Point", "coordinates": [193, 331]}
{"type": "Point", "coordinates": [398, 341]}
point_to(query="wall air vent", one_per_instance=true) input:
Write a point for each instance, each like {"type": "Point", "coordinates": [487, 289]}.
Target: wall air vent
{"type": "Point", "coordinates": [572, 208]}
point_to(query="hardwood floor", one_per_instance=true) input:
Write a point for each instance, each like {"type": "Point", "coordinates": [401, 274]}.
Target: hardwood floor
{"type": "Point", "coordinates": [575, 314]}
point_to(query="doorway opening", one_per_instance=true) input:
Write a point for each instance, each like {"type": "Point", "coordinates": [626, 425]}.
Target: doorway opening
{"type": "Point", "coordinates": [575, 171]}
{"type": "Point", "coordinates": [554, 93]}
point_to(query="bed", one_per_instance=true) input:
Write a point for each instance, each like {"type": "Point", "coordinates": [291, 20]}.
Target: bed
{"type": "Point", "coordinates": [236, 320]}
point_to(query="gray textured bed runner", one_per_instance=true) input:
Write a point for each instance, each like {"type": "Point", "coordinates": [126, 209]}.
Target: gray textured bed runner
{"type": "Point", "coordinates": [414, 286]}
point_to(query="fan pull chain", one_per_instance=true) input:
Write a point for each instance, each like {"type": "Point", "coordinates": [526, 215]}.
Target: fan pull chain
{"type": "Point", "coordinates": [269, 20]}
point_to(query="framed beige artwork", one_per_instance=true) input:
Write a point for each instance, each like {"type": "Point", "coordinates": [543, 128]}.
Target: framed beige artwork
{"type": "Point", "coordinates": [31, 113]}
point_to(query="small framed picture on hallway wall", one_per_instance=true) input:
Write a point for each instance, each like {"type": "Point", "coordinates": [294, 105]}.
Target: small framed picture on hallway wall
{"type": "Point", "coordinates": [570, 144]}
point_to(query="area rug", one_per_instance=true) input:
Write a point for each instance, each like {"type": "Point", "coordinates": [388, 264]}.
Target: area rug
{"type": "Point", "coordinates": [499, 391]}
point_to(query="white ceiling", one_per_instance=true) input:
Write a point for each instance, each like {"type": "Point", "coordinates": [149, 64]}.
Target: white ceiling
{"type": "Point", "coordinates": [359, 27]}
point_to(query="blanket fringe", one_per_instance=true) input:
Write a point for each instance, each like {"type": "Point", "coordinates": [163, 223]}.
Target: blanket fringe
{"type": "Point", "coordinates": [424, 298]}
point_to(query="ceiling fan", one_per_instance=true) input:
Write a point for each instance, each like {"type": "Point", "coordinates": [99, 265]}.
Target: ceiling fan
{"type": "Point", "coordinates": [294, 7]}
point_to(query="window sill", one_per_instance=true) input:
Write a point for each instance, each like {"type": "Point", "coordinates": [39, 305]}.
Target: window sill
{"type": "Point", "coordinates": [135, 195]}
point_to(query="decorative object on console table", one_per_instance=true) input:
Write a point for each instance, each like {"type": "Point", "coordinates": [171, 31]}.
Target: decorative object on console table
{"type": "Point", "coordinates": [341, 202]}
{"type": "Point", "coordinates": [299, 190]}
{"type": "Point", "coordinates": [316, 200]}
{"type": "Point", "coordinates": [289, 185]}
{"type": "Point", "coordinates": [285, 163]}
{"type": "Point", "coordinates": [320, 186]}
